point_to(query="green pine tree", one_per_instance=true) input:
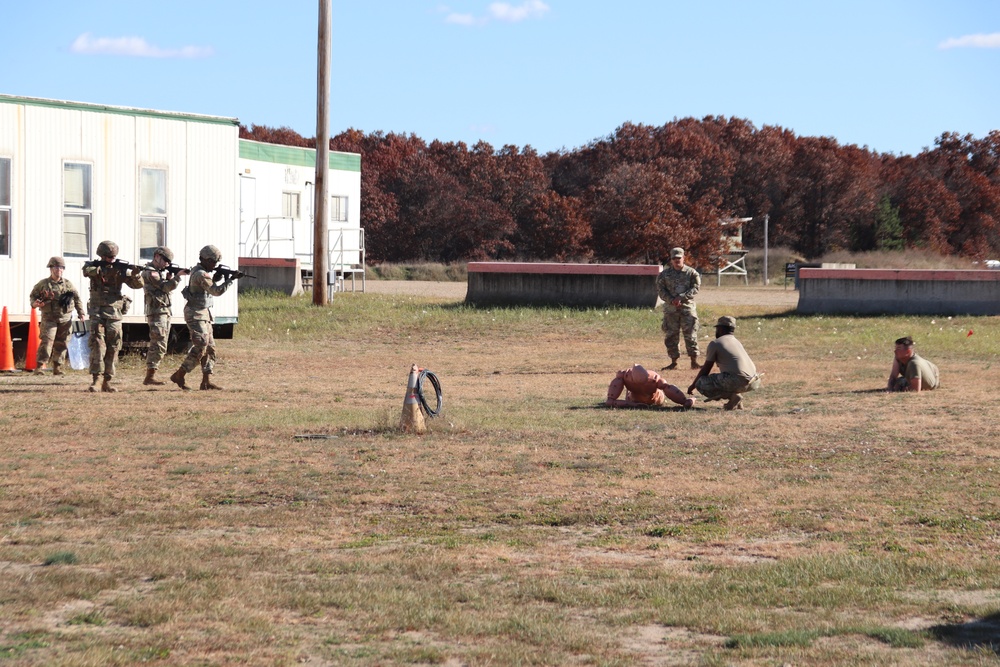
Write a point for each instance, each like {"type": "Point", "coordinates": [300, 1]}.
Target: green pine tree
{"type": "Point", "coordinates": [888, 227]}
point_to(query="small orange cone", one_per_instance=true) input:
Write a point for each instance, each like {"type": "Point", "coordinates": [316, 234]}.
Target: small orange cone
{"type": "Point", "coordinates": [6, 344]}
{"type": "Point", "coordinates": [412, 420]}
{"type": "Point", "coordinates": [31, 357]}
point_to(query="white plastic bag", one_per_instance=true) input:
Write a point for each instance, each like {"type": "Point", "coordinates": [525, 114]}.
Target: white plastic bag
{"type": "Point", "coordinates": [79, 350]}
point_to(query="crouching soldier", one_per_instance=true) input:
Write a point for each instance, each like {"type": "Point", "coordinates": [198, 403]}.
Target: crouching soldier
{"type": "Point", "coordinates": [201, 287]}
{"type": "Point", "coordinates": [158, 283]}
{"type": "Point", "coordinates": [107, 306]}
{"type": "Point", "coordinates": [56, 297]}
{"type": "Point", "coordinates": [737, 373]}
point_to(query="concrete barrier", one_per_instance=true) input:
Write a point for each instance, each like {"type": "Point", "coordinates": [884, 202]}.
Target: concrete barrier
{"type": "Point", "coordinates": [283, 275]}
{"type": "Point", "coordinates": [517, 283]}
{"type": "Point", "coordinates": [902, 292]}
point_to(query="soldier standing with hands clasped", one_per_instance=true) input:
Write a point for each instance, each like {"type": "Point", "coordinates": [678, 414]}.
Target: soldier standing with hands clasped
{"type": "Point", "coordinates": [200, 289]}
{"type": "Point", "coordinates": [56, 297]}
{"type": "Point", "coordinates": [107, 306]}
{"type": "Point", "coordinates": [677, 285]}
{"type": "Point", "coordinates": [159, 280]}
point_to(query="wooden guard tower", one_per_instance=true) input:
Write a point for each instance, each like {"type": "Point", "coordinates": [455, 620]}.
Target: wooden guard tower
{"type": "Point", "coordinates": [732, 254]}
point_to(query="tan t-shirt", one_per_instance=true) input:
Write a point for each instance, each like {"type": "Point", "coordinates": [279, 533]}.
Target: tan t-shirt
{"type": "Point", "coordinates": [729, 354]}
{"type": "Point", "coordinates": [918, 367]}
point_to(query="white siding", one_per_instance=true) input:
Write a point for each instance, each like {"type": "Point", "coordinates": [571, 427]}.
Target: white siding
{"type": "Point", "coordinates": [198, 153]}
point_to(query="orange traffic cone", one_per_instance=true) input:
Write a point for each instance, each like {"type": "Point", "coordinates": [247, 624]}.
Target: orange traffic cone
{"type": "Point", "coordinates": [6, 344]}
{"type": "Point", "coordinates": [31, 357]}
{"type": "Point", "coordinates": [412, 420]}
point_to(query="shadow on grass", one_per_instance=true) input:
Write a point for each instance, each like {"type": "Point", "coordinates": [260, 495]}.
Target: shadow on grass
{"type": "Point", "coordinates": [981, 633]}
{"type": "Point", "coordinates": [654, 408]}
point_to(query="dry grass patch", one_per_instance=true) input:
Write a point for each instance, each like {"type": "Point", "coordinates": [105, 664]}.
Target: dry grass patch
{"type": "Point", "coordinates": [530, 525]}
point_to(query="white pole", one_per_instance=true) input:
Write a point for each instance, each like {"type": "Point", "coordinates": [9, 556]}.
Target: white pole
{"type": "Point", "coordinates": [767, 278]}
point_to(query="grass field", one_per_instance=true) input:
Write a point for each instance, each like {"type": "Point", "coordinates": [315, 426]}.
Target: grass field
{"type": "Point", "coordinates": [287, 521]}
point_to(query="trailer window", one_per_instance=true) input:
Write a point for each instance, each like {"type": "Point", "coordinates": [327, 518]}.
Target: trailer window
{"type": "Point", "coordinates": [338, 209]}
{"type": "Point", "coordinates": [290, 205]}
{"type": "Point", "coordinates": [4, 207]}
{"type": "Point", "coordinates": [152, 211]}
{"type": "Point", "coordinates": [77, 210]}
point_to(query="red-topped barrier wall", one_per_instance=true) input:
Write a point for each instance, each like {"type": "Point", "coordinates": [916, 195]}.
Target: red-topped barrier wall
{"type": "Point", "coordinates": [548, 283]}
{"type": "Point", "coordinates": [902, 291]}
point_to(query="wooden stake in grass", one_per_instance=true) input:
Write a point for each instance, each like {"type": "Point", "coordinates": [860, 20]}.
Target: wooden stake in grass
{"type": "Point", "coordinates": [412, 420]}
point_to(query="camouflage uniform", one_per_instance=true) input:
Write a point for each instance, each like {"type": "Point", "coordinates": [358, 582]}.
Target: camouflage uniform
{"type": "Point", "coordinates": [684, 285]}
{"type": "Point", "coordinates": [198, 315]}
{"type": "Point", "coordinates": [105, 307]}
{"type": "Point", "coordinates": [60, 299]}
{"type": "Point", "coordinates": [158, 288]}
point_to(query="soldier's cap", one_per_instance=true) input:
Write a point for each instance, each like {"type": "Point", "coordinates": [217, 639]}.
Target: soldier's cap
{"type": "Point", "coordinates": [727, 321]}
{"type": "Point", "coordinates": [905, 340]}
{"type": "Point", "coordinates": [56, 261]}
{"type": "Point", "coordinates": [677, 252]}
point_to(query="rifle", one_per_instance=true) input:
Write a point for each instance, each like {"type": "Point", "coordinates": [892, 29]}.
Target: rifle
{"type": "Point", "coordinates": [173, 269]}
{"type": "Point", "coordinates": [119, 265]}
{"type": "Point", "coordinates": [227, 273]}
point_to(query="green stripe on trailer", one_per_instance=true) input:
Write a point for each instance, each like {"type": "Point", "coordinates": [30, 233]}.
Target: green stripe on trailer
{"type": "Point", "coordinates": [295, 156]}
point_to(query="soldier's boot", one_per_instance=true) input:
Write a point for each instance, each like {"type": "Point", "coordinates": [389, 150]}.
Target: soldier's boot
{"type": "Point", "coordinates": [57, 368]}
{"type": "Point", "coordinates": [695, 366]}
{"type": "Point", "coordinates": [39, 371]}
{"type": "Point", "coordinates": [206, 382]}
{"type": "Point", "coordinates": [735, 403]}
{"type": "Point", "coordinates": [672, 366]}
{"type": "Point", "coordinates": [93, 385]}
{"type": "Point", "coordinates": [150, 372]}
{"type": "Point", "coordinates": [178, 378]}
{"type": "Point", "coordinates": [106, 386]}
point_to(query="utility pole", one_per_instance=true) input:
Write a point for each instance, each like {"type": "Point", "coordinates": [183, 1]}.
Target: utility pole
{"type": "Point", "coordinates": [321, 203]}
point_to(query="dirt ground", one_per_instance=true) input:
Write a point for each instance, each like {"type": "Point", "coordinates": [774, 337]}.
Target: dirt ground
{"type": "Point", "coordinates": [753, 295]}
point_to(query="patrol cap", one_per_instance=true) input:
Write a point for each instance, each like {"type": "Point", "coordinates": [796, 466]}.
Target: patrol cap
{"type": "Point", "coordinates": [107, 249]}
{"type": "Point", "coordinates": [56, 261]}
{"type": "Point", "coordinates": [165, 251]}
{"type": "Point", "coordinates": [727, 321]}
{"type": "Point", "coordinates": [677, 252]}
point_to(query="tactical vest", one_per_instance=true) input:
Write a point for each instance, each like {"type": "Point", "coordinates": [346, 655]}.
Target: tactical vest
{"type": "Point", "coordinates": [197, 298]}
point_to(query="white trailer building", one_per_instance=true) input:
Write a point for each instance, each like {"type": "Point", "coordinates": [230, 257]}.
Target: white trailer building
{"type": "Point", "coordinates": [276, 209]}
{"type": "Point", "coordinates": [73, 174]}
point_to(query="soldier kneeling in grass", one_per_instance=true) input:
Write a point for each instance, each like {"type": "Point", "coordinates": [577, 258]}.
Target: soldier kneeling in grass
{"type": "Point", "coordinates": [910, 371]}
{"type": "Point", "coordinates": [737, 373]}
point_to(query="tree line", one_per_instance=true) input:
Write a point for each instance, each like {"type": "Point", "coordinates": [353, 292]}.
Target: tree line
{"type": "Point", "coordinates": [636, 193]}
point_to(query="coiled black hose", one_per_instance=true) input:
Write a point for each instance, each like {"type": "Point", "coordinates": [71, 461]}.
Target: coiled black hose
{"type": "Point", "coordinates": [429, 375]}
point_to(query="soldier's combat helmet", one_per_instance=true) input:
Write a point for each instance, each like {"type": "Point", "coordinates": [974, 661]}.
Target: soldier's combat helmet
{"type": "Point", "coordinates": [107, 249]}
{"type": "Point", "coordinates": [56, 261]}
{"type": "Point", "coordinates": [165, 251]}
{"type": "Point", "coordinates": [211, 253]}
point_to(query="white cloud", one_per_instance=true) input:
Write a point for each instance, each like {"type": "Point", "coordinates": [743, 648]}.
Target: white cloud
{"type": "Point", "coordinates": [461, 19]}
{"type": "Point", "coordinates": [87, 44]}
{"type": "Point", "coordinates": [502, 11]}
{"type": "Point", "coordinates": [991, 41]}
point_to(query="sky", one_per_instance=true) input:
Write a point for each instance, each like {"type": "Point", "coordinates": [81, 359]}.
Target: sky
{"type": "Point", "coordinates": [888, 75]}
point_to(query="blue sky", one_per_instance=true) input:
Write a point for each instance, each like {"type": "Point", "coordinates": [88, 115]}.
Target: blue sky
{"type": "Point", "coordinates": [890, 75]}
